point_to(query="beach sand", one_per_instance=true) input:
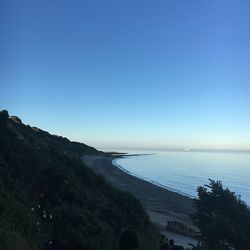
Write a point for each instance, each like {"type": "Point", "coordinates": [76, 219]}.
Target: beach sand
{"type": "Point", "coordinates": [161, 204]}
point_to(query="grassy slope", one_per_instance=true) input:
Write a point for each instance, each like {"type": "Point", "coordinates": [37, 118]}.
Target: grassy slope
{"type": "Point", "coordinates": [41, 174]}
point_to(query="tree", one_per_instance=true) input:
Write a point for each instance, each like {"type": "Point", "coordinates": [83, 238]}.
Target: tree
{"type": "Point", "coordinates": [222, 218]}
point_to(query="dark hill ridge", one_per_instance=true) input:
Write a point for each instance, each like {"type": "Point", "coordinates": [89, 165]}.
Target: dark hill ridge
{"type": "Point", "coordinates": [44, 140]}
{"type": "Point", "coordinates": [47, 193]}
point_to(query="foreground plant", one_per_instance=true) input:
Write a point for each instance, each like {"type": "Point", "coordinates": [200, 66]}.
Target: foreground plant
{"type": "Point", "coordinates": [222, 218]}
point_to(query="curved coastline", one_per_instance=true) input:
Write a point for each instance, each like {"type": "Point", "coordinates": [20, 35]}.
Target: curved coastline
{"type": "Point", "coordinates": [114, 162]}
{"type": "Point", "coordinates": [161, 204]}
{"type": "Point", "coordinates": [153, 197]}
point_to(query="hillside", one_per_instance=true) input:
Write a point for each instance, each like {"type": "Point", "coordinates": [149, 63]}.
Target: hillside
{"type": "Point", "coordinates": [47, 193]}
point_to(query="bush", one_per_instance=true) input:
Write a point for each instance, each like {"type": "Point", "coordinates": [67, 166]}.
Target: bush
{"type": "Point", "coordinates": [222, 217]}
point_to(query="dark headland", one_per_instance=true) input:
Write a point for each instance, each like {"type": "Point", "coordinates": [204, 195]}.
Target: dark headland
{"type": "Point", "coordinates": [46, 192]}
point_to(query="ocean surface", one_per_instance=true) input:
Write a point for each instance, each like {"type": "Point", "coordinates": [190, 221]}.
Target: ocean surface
{"type": "Point", "coordinates": [183, 171]}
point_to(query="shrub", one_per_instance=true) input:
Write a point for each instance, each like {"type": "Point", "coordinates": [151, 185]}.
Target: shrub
{"type": "Point", "coordinates": [222, 217]}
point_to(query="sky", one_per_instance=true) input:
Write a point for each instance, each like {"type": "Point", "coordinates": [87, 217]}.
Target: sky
{"type": "Point", "coordinates": [159, 74]}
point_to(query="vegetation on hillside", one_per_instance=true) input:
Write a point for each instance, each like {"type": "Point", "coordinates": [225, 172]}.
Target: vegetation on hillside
{"type": "Point", "coordinates": [47, 193]}
{"type": "Point", "coordinates": [222, 217]}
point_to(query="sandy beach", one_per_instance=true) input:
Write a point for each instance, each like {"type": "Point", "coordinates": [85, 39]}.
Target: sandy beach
{"type": "Point", "coordinates": [161, 204]}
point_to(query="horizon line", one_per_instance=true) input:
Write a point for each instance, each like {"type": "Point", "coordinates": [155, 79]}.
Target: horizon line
{"type": "Point", "coordinates": [179, 149]}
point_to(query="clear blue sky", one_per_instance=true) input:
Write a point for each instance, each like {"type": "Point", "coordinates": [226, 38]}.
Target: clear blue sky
{"type": "Point", "coordinates": [129, 73]}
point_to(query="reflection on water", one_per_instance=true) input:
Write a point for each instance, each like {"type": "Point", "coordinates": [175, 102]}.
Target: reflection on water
{"type": "Point", "coordinates": [185, 171]}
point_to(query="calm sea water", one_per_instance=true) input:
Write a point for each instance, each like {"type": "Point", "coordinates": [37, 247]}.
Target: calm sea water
{"type": "Point", "coordinates": [185, 171]}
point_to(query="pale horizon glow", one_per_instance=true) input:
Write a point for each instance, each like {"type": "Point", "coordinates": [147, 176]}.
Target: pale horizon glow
{"type": "Point", "coordinates": [132, 74]}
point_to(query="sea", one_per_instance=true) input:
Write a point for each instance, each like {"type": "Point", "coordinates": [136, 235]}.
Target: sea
{"type": "Point", "coordinates": [183, 171]}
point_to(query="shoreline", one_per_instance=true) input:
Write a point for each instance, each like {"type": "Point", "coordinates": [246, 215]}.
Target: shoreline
{"type": "Point", "coordinates": [166, 199]}
{"type": "Point", "coordinates": [161, 204]}
{"type": "Point", "coordinates": [148, 180]}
